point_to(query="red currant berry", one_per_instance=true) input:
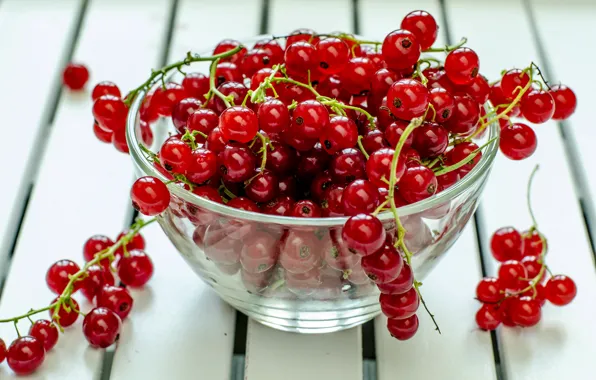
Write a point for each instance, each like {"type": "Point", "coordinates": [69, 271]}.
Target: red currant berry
{"type": "Point", "coordinates": [227, 45]}
{"type": "Point", "coordinates": [400, 306]}
{"type": "Point", "coordinates": [512, 274]}
{"type": "Point", "coordinates": [203, 166]}
{"type": "Point", "coordinates": [272, 48]}
{"type": "Point", "coordinates": [364, 234]}
{"type": "Point", "coordinates": [255, 60]}
{"type": "Point", "coordinates": [105, 88]}
{"type": "Point", "coordinates": [273, 116]}
{"type": "Point", "coordinates": [245, 204]}
{"type": "Point", "coordinates": [300, 58]}
{"type": "Point", "coordinates": [259, 253]}
{"type": "Point", "coordinates": [356, 76]}
{"type": "Point", "coordinates": [164, 99]}
{"type": "Point", "coordinates": [401, 284]}
{"type": "Point", "coordinates": [235, 90]}
{"type": "Point", "coordinates": [25, 355]}
{"type": "Point", "coordinates": [340, 133]}
{"type": "Point", "coordinates": [506, 244]}
{"type": "Point", "coordinates": [424, 27]}
{"type": "Point", "coordinates": [331, 201]}
{"type": "Point", "coordinates": [137, 241]}
{"type": "Point", "coordinates": [236, 163]}
{"type": "Point", "coordinates": [75, 76]}
{"type": "Point", "coordinates": [488, 318]}
{"type": "Point", "coordinates": [196, 85]}
{"type": "Point", "coordinates": [332, 86]}
{"type": "Point", "coordinates": [136, 269]}
{"type": "Point", "coordinates": [378, 167]}
{"type": "Point", "coordinates": [500, 102]}
{"type": "Point", "coordinates": [525, 311]}
{"type": "Point", "coordinates": [565, 101]}
{"type": "Point", "coordinates": [510, 82]}
{"type": "Point", "coordinates": [465, 116]}
{"type": "Point", "coordinates": [97, 277]}
{"type": "Point", "coordinates": [394, 131]}
{"type": "Point", "coordinates": [407, 99]}
{"type": "Point", "coordinates": [146, 133]}
{"type": "Point", "coordinates": [3, 351]}
{"type": "Point", "coordinates": [309, 119]}
{"type": "Point", "coordinates": [373, 141]}
{"type": "Point", "coordinates": [58, 276]}
{"type": "Point", "coordinates": [239, 124]}
{"type": "Point", "coordinates": [537, 106]}
{"type": "Point", "coordinates": [175, 155]}
{"type": "Point", "coordinates": [461, 152]}
{"type": "Point", "coordinates": [95, 244]}
{"type": "Point", "coordinates": [203, 120]}
{"type": "Point", "coordinates": [417, 183]}
{"type": "Point", "coordinates": [360, 197]}
{"type": "Point", "coordinates": [281, 159]}
{"type": "Point", "coordinates": [347, 166]}
{"type": "Point", "coordinates": [303, 34]}
{"type": "Point", "coordinates": [333, 55]}
{"type": "Point", "coordinates": [305, 209]}
{"type": "Point", "coordinates": [281, 206]}
{"type": "Point", "coordinates": [430, 139]}
{"type": "Point", "coordinates": [150, 196]}
{"type": "Point", "coordinates": [403, 329]}
{"type": "Point", "coordinates": [489, 290]}
{"type": "Point", "coordinates": [532, 244]}
{"type": "Point", "coordinates": [533, 267]}
{"type": "Point", "coordinates": [119, 142]}
{"type": "Point", "coordinates": [381, 80]}
{"type": "Point", "coordinates": [110, 112]}
{"type": "Point", "coordinates": [115, 298]}
{"type": "Point", "coordinates": [101, 327]}
{"type": "Point", "coordinates": [447, 180]}
{"type": "Point", "coordinates": [376, 56]}
{"type": "Point", "coordinates": [263, 187]}
{"type": "Point", "coordinates": [560, 290]}
{"type": "Point", "coordinates": [299, 251]}
{"type": "Point", "coordinates": [66, 318]}
{"type": "Point", "coordinates": [46, 332]}
{"type": "Point", "coordinates": [401, 50]}
{"type": "Point", "coordinates": [443, 104]}
{"type": "Point", "coordinates": [182, 111]}
{"type": "Point", "coordinates": [227, 72]}
{"type": "Point", "coordinates": [461, 65]}
{"type": "Point", "coordinates": [518, 141]}
{"type": "Point", "coordinates": [478, 89]}
{"type": "Point", "coordinates": [384, 266]}
{"type": "Point", "coordinates": [101, 134]}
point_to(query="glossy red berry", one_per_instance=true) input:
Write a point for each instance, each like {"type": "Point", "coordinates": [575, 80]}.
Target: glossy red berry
{"type": "Point", "coordinates": [101, 134]}
{"type": "Point", "coordinates": [333, 55]}
{"type": "Point", "coordinates": [301, 57]}
{"type": "Point", "coordinates": [374, 140]}
{"type": "Point", "coordinates": [401, 50]}
{"type": "Point", "coordinates": [400, 306]}
{"type": "Point", "coordinates": [512, 274]}
{"type": "Point", "coordinates": [488, 317]}
{"type": "Point", "coordinates": [532, 244]}
{"type": "Point", "coordinates": [115, 298]}
{"type": "Point", "coordinates": [182, 111]}
{"type": "Point", "coordinates": [565, 101]}
{"type": "Point", "coordinates": [537, 106]}
{"type": "Point", "coordinates": [533, 265]}
{"type": "Point", "coordinates": [101, 327]}
{"type": "Point", "coordinates": [339, 133]}
{"type": "Point", "coordinates": [403, 329]}
{"type": "Point", "coordinates": [136, 269]}
{"type": "Point", "coordinates": [255, 60]}
{"type": "Point", "coordinates": [378, 167]}
{"type": "Point", "coordinates": [203, 166]}
{"type": "Point", "coordinates": [95, 244]}
{"type": "Point", "coordinates": [227, 45]}
{"type": "Point", "coordinates": [478, 89]}
{"type": "Point", "coordinates": [332, 86]}
{"type": "Point", "coordinates": [175, 155]}
{"type": "Point", "coordinates": [281, 159]}
{"type": "Point", "coordinates": [395, 130]}
{"type": "Point", "coordinates": [64, 317]}
{"type": "Point", "coordinates": [489, 290]}
{"type": "Point", "coordinates": [58, 275]}
{"type": "Point", "coordinates": [46, 332]}
{"type": "Point", "coordinates": [383, 266]}
{"type": "Point", "coordinates": [331, 201]}
{"type": "Point", "coordinates": [260, 252]}
{"type": "Point", "coordinates": [302, 34]}
{"type": "Point", "coordinates": [281, 206]}
{"type": "Point", "coordinates": [236, 163]}
{"type": "Point", "coordinates": [506, 244]}
{"type": "Point", "coordinates": [364, 234]}
{"type": "Point", "coordinates": [272, 48]}
{"type": "Point", "coordinates": [196, 85]}
{"type": "Point", "coordinates": [560, 290]}
{"type": "Point", "coordinates": [347, 166]}
{"type": "Point", "coordinates": [300, 251]}
{"type": "Point", "coordinates": [237, 91]}
{"type": "Point", "coordinates": [25, 355]}
{"type": "Point", "coordinates": [518, 141]}
{"type": "Point", "coordinates": [401, 284]}
{"type": "Point", "coordinates": [424, 27]}
{"type": "Point", "coordinates": [461, 65]}
{"type": "Point", "coordinates": [381, 80]}
{"type": "Point", "coordinates": [119, 141]}
{"type": "Point", "coordinates": [510, 82]}
{"type": "Point", "coordinates": [430, 139]}
{"type": "Point", "coordinates": [305, 209]}
{"type": "Point", "coordinates": [310, 119]}
{"type": "Point", "coordinates": [465, 116]}
{"type": "Point", "coordinates": [262, 188]}
{"type": "Point", "coordinates": [239, 123]}
{"type": "Point", "coordinates": [105, 88]}
{"type": "Point", "coordinates": [75, 76]}
{"type": "Point", "coordinates": [97, 277]}
{"type": "Point", "coordinates": [203, 120]}
{"type": "Point", "coordinates": [150, 196]}
{"type": "Point", "coordinates": [164, 99]}
{"type": "Point", "coordinates": [227, 72]}
{"type": "Point", "coordinates": [525, 311]}
{"type": "Point", "coordinates": [110, 112]}
{"type": "Point", "coordinates": [3, 350]}
{"type": "Point", "coordinates": [417, 183]}
{"type": "Point", "coordinates": [407, 99]}
{"type": "Point", "coordinates": [273, 116]}
{"type": "Point", "coordinates": [356, 76]}
{"type": "Point", "coordinates": [461, 152]}
{"type": "Point", "coordinates": [360, 197]}
{"type": "Point", "coordinates": [443, 104]}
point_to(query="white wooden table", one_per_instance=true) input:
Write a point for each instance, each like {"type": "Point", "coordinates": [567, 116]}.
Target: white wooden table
{"type": "Point", "coordinates": [60, 185]}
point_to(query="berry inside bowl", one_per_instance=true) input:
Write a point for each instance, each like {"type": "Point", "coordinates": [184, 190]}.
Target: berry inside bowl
{"type": "Point", "coordinates": [300, 273]}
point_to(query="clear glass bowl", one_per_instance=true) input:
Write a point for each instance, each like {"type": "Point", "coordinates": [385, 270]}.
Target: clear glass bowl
{"type": "Point", "coordinates": [295, 274]}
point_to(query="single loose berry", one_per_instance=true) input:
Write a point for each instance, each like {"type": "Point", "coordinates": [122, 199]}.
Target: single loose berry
{"type": "Point", "coordinates": [203, 120]}
{"type": "Point", "coordinates": [565, 101]}
{"type": "Point", "coordinates": [560, 290]}
{"type": "Point", "coordinates": [101, 327]}
{"type": "Point", "coordinates": [115, 298]}
{"type": "Point", "coordinates": [301, 57]}
{"type": "Point", "coordinates": [239, 124]}
{"type": "Point", "coordinates": [136, 269]}
{"type": "Point", "coordinates": [273, 116]}
{"type": "Point", "coordinates": [58, 275]}
{"type": "Point", "coordinates": [262, 188]}
{"type": "Point", "coordinates": [347, 165]}
{"type": "Point", "coordinates": [203, 166]}
{"type": "Point", "coordinates": [310, 119]}
{"type": "Point", "coordinates": [196, 85]}
{"type": "Point", "coordinates": [75, 76]}
{"type": "Point", "coordinates": [518, 141]}
{"type": "Point", "coordinates": [461, 65]}
{"type": "Point", "coordinates": [25, 355]}
{"type": "Point", "coordinates": [150, 196]}
{"type": "Point", "coordinates": [430, 139]}
{"type": "Point", "coordinates": [356, 76]}
{"type": "Point", "coordinates": [364, 234]}
{"type": "Point", "coordinates": [44, 331]}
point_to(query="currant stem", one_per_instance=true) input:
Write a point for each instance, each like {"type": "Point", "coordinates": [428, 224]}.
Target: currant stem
{"type": "Point", "coordinates": [361, 147]}
{"type": "Point", "coordinates": [212, 88]}
{"type": "Point", "coordinates": [447, 48]}
{"type": "Point", "coordinates": [190, 58]}
{"type": "Point", "coordinates": [461, 163]}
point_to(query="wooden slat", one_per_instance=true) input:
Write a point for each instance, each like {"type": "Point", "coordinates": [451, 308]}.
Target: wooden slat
{"type": "Point", "coordinates": [453, 304]}
{"type": "Point", "coordinates": [563, 29]}
{"type": "Point", "coordinates": [83, 184]}
{"type": "Point", "coordinates": [563, 343]}
{"type": "Point", "coordinates": [31, 33]}
{"type": "Point", "coordinates": [184, 330]}
{"type": "Point", "coordinates": [329, 356]}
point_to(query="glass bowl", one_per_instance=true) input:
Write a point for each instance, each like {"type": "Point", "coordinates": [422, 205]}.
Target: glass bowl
{"type": "Point", "coordinates": [295, 274]}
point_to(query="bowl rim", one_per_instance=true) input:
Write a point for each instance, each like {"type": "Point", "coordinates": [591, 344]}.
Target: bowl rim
{"type": "Point", "coordinates": [148, 169]}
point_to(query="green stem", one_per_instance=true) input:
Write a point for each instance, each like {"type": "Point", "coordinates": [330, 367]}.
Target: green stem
{"type": "Point", "coordinates": [361, 147]}
{"type": "Point", "coordinates": [447, 48]}
{"type": "Point", "coordinates": [461, 163]}
{"type": "Point", "coordinates": [161, 73]}
{"type": "Point", "coordinates": [212, 88]}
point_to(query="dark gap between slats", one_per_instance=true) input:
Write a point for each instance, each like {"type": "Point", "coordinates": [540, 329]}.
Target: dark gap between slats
{"type": "Point", "coordinates": [20, 206]}
{"type": "Point", "coordinates": [578, 174]}
{"type": "Point", "coordinates": [132, 214]}
{"type": "Point", "coordinates": [241, 325]}
{"type": "Point", "coordinates": [481, 235]}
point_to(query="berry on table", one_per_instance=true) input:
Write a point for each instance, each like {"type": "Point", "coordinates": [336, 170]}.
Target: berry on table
{"type": "Point", "coordinates": [46, 332]}
{"type": "Point", "coordinates": [135, 269]}
{"type": "Point", "coordinates": [560, 290]}
{"type": "Point", "coordinates": [101, 327]}
{"type": "Point", "coordinates": [25, 355]}
{"type": "Point", "coordinates": [115, 298]}
{"type": "Point", "coordinates": [75, 76]}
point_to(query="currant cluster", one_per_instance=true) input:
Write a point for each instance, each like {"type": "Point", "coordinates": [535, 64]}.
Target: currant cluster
{"type": "Point", "coordinates": [516, 296]}
{"type": "Point", "coordinates": [101, 325]}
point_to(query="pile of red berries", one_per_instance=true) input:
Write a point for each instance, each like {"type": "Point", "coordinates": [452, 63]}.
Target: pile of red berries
{"type": "Point", "coordinates": [101, 325]}
{"type": "Point", "coordinates": [331, 125]}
